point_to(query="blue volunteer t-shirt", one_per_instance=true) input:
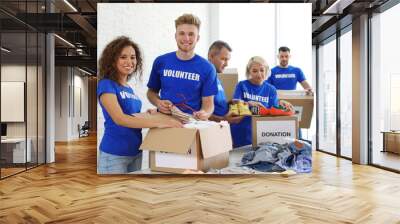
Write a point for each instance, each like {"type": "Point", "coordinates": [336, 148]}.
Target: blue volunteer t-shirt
{"type": "Point", "coordinates": [220, 104]}
{"type": "Point", "coordinates": [119, 140]}
{"type": "Point", "coordinates": [246, 91]}
{"type": "Point", "coordinates": [183, 81]}
{"type": "Point", "coordinates": [286, 78]}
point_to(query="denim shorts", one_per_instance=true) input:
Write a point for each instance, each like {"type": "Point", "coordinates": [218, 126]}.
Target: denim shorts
{"type": "Point", "coordinates": [114, 164]}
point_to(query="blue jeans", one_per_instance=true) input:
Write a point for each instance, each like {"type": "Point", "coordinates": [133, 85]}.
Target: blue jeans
{"type": "Point", "coordinates": [114, 164]}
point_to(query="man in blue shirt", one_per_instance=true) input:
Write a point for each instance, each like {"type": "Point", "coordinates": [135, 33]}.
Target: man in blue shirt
{"type": "Point", "coordinates": [285, 76]}
{"type": "Point", "coordinates": [219, 55]}
{"type": "Point", "coordinates": [183, 78]}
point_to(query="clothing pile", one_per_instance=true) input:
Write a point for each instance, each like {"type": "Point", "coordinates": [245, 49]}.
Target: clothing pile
{"type": "Point", "coordinates": [274, 157]}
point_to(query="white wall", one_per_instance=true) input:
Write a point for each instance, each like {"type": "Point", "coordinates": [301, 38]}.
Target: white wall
{"type": "Point", "coordinates": [61, 103]}
{"type": "Point", "coordinates": [79, 117]}
{"type": "Point", "coordinates": [294, 31]}
{"type": "Point", "coordinates": [250, 31]}
{"type": "Point", "coordinates": [68, 82]}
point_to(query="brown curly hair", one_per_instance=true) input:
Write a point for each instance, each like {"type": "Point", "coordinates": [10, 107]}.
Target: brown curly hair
{"type": "Point", "coordinates": [110, 55]}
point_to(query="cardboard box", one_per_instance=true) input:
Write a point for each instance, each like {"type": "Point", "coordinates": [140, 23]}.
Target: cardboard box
{"type": "Point", "coordinates": [229, 79]}
{"type": "Point", "coordinates": [280, 129]}
{"type": "Point", "coordinates": [175, 150]}
{"type": "Point", "coordinates": [302, 103]}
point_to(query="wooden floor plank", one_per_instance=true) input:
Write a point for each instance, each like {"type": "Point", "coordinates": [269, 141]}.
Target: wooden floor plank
{"type": "Point", "coordinates": [70, 191]}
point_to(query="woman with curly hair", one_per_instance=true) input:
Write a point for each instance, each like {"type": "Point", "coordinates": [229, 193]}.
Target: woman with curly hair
{"type": "Point", "coordinates": [119, 148]}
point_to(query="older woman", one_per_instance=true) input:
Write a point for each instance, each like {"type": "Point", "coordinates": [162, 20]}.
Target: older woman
{"type": "Point", "coordinates": [256, 92]}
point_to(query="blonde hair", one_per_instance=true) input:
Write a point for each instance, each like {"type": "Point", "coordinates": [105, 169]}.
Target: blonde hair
{"type": "Point", "coordinates": [258, 60]}
{"type": "Point", "coordinates": [188, 19]}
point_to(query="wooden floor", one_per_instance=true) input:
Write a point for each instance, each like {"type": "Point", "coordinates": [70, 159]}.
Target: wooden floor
{"type": "Point", "coordinates": [70, 191]}
{"type": "Point", "coordinates": [10, 171]}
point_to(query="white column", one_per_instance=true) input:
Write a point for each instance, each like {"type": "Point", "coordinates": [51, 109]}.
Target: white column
{"type": "Point", "coordinates": [50, 99]}
{"type": "Point", "coordinates": [360, 90]}
{"type": "Point", "coordinates": [50, 92]}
